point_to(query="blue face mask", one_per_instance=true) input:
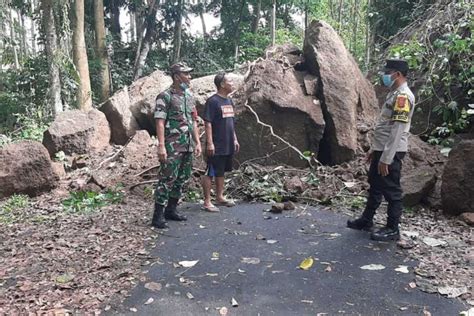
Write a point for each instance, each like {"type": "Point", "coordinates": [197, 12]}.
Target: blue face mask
{"type": "Point", "coordinates": [184, 86]}
{"type": "Point", "coordinates": [387, 80]}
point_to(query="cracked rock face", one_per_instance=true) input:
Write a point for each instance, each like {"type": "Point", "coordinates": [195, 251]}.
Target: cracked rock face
{"type": "Point", "coordinates": [346, 96]}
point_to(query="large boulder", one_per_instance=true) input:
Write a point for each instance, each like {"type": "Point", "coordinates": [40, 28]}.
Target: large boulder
{"type": "Point", "coordinates": [346, 95]}
{"type": "Point", "coordinates": [25, 167]}
{"type": "Point", "coordinates": [123, 124]}
{"type": "Point", "coordinates": [143, 94]}
{"type": "Point", "coordinates": [276, 94]}
{"type": "Point", "coordinates": [202, 88]}
{"type": "Point", "coordinates": [457, 189]}
{"type": "Point", "coordinates": [77, 132]}
{"type": "Point", "coordinates": [417, 185]}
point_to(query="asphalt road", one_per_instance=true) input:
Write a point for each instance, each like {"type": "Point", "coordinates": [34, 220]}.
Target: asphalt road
{"type": "Point", "coordinates": [245, 255]}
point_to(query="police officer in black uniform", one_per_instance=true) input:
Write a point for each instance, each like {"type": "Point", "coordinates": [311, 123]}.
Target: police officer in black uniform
{"type": "Point", "coordinates": [389, 146]}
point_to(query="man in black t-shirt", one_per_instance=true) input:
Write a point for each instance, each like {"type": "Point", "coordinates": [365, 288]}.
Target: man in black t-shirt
{"type": "Point", "coordinates": [221, 141]}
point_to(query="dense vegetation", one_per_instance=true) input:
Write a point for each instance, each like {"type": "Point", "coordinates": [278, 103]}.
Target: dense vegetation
{"type": "Point", "coordinates": [57, 55]}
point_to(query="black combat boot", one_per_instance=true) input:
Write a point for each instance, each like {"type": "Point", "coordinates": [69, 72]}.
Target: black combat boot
{"type": "Point", "coordinates": [158, 220]}
{"type": "Point", "coordinates": [171, 212]}
{"type": "Point", "coordinates": [386, 234]}
{"type": "Point", "coordinates": [360, 224]}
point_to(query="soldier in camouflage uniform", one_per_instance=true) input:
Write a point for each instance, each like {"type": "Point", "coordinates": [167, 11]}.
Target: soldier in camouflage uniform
{"type": "Point", "coordinates": [178, 138]}
{"type": "Point", "coordinates": [389, 146]}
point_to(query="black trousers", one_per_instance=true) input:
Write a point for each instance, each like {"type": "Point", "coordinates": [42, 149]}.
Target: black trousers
{"type": "Point", "coordinates": [388, 187]}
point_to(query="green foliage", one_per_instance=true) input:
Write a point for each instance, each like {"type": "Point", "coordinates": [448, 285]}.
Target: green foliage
{"type": "Point", "coordinates": [11, 209]}
{"type": "Point", "coordinates": [86, 202]}
{"type": "Point", "coordinates": [447, 61]}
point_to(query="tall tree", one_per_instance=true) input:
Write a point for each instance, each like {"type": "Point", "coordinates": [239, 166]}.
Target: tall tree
{"type": "Point", "coordinates": [101, 49]}
{"type": "Point", "coordinates": [84, 97]}
{"type": "Point", "coordinates": [273, 23]}
{"type": "Point", "coordinates": [178, 26]}
{"type": "Point", "coordinates": [33, 28]}
{"type": "Point", "coordinates": [145, 44]}
{"type": "Point", "coordinates": [257, 15]}
{"type": "Point", "coordinates": [13, 40]}
{"type": "Point", "coordinates": [51, 47]}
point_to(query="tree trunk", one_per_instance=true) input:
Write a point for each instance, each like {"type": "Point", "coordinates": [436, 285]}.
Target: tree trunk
{"type": "Point", "coordinates": [256, 20]}
{"type": "Point", "coordinates": [133, 32]}
{"type": "Point", "coordinates": [177, 32]}
{"type": "Point", "coordinates": [237, 32]}
{"type": "Point", "coordinates": [23, 45]}
{"type": "Point", "coordinates": [84, 97]}
{"type": "Point", "coordinates": [13, 40]}
{"type": "Point", "coordinates": [341, 8]}
{"type": "Point", "coordinates": [115, 23]}
{"type": "Point", "coordinates": [203, 22]}
{"type": "Point", "coordinates": [101, 49]}
{"type": "Point", "coordinates": [51, 47]}
{"type": "Point", "coordinates": [33, 30]}
{"type": "Point", "coordinates": [144, 48]}
{"type": "Point", "coordinates": [355, 26]}
{"type": "Point", "coordinates": [273, 26]}
{"type": "Point", "coordinates": [367, 36]}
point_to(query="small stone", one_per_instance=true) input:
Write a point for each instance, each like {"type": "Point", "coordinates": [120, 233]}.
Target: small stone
{"type": "Point", "coordinates": [468, 218]}
{"type": "Point", "coordinates": [277, 208]}
{"type": "Point", "coordinates": [288, 206]}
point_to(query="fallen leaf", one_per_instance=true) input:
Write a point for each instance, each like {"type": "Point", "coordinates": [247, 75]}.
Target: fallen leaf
{"type": "Point", "coordinates": [373, 267]}
{"type": "Point", "coordinates": [451, 291]}
{"type": "Point", "coordinates": [402, 269]}
{"type": "Point", "coordinates": [251, 260]}
{"type": "Point", "coordinates": [350, 184]}
{"type": "Point", "coordinates": [212, 274]}
{"type": "Point", "coordinates": [234, 303]}
{"type": "Point", "coordinates": [149, 301]}
{"type": "Point", "coordinates": [133, 309]}
{"type": "Point", "coordinates": [412, 285]}
{"type": "Point", "coordinates": [188, 264]}
{"type": "Point", "coordinates": [426, 313]}
{"type": "Point", "coordinates": [64, 278]}
{"type": "Point", "coordinates": [215, 256]}
{"type": "Point", "coordinates": [202, 226]}
{"type": "Point", "coordinates": [404, 308]}
{"type": "Point", "coordinates": [433, 242]}
{"type": "Point", "coordinates": [328, 269]}
{"type": "Point", "coordinates": [307, 301]}
{"type": "Point", "coordinates": [410, 234]}
{"type": "Point", "coordinates": [107, 308]}
{"type": "Point", "coordinates": [260, 237]}
{"type": "Point", "coordinates": [241, 271]}
{"type": "Point", "coordinates": [153, 286]}
{"type": "Point", "coordinates": [306, 263]}
{"type": "Point", "coordinates": [272, 241]}
{"type": "Point", "coordinates": [190, 296]}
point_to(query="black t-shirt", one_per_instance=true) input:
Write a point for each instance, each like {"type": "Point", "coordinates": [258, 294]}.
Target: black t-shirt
{"type": "Point", "coordinates": [219, 112]}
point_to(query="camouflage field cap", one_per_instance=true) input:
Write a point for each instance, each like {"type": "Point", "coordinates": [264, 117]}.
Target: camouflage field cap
{"type": "Point", "coordinates": [179, 68]}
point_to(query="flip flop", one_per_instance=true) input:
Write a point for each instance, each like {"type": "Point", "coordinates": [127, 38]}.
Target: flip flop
{"type": "Point", "coordinates": [211, 209]}
{"type": "Point", "coordinates": [227, 203]}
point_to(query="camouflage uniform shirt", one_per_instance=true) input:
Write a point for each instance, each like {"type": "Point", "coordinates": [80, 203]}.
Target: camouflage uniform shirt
{"type": "Point", "coordinates": [179, 112]}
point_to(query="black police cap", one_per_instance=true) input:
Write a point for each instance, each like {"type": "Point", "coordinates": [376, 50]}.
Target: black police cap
{"type": "Point", "coordinates": [396, 64]}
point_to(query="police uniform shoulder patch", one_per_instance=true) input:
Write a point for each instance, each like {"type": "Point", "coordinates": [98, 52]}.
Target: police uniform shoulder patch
{"type": "Point", "coordinates": [401, 108]}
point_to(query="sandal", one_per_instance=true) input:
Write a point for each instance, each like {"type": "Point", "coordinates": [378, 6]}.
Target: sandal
{"type": "Point", "coordinates": [211, 209]}
{"type": "Point", "coordinates": [228, 203]}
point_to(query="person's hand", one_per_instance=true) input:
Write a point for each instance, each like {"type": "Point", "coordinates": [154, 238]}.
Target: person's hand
{"type": "Point", "coordinates": [370, 156]}
{"type": "Point", "coordinates": [211, 150]}
{"type": "Point", "coordinates": [236, 146]}
{"type": "Point", "coordinates": [198, 150]}
{"type": "Point", "coordinates": [162, 155]}
{"type": "Point", "coordinates": [383, 169]}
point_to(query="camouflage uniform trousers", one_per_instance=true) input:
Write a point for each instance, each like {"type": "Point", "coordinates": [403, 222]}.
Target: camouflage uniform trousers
{"type": "Point", "coordinates": [173, 175]}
